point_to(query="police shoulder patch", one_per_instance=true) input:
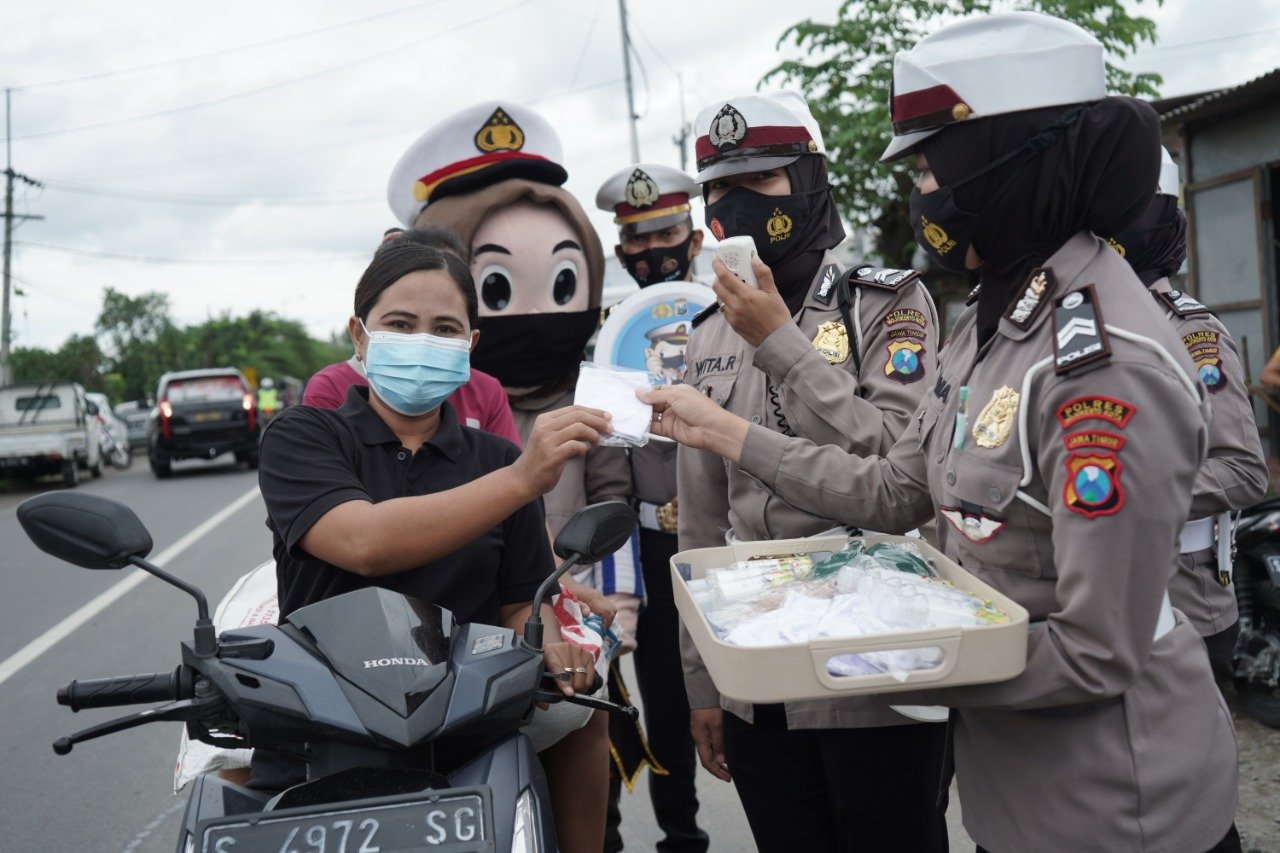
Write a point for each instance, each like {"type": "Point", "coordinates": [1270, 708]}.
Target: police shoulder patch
{"type": "Point", "coordinates": [882, 277]}
{"type": "Point", "coordinates": [1092, 487]}
{"type": "Point", "coordinates": [1180, 303]}
{"type": "Point", "coordinates": [704, 314]}
{"type": "Point", "coordinates": [827, 283]}
{"type": "Point", "coordinates": [1079, 336]}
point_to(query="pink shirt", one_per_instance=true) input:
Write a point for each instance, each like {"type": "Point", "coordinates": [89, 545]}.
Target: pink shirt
{"type": "Point", "coordinates": [481, 403]}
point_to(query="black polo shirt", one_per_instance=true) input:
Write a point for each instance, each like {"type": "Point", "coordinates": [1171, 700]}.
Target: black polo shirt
{"type": "Point", "coordinates": [315, 459]}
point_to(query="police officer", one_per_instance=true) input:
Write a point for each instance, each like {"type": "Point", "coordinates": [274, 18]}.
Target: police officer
{"type": "Point", "coordinates": [841, 358]}
{"type": "Point", "coordinates": [1235, 474]}
{"type": "Point", "coordinates": [657, 243]}
{"type": "Point", "coordinates": [1066, 477]}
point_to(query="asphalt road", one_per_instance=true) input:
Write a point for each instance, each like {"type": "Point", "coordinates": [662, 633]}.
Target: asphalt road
{"type": "Point", "coordinates": [58, 622]}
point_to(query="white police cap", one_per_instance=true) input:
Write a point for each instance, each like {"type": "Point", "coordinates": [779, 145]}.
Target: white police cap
{"type": "Point", "coordinates": [473, 148]}
{"type": "Point", "coordinates": [990, 65]}
{"type": "Point", "coordinates": [646, 197]}
{"type": "Point", "coordinates": [752, 132]}
{"type": "Point", "coordinates": [1169, 181]}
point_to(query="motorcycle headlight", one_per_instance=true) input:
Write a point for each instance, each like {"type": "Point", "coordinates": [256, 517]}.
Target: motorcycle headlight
{"type": "Point", "coordinates": [525, 835]}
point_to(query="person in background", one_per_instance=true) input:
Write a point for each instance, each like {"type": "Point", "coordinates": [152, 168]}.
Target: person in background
{"type": "Point", "coordinates": [1235, 474]}
{"type": "Point", "coordinates": [1271, 372]}
{"type": "Point", "coordinates": [480, 403]}
{"type": "Point", "coordinates": [268, 398]}
{"type": "Point", "coordinates": [840, 357]}
{"type": "Point", "coordinates": [657, 243]}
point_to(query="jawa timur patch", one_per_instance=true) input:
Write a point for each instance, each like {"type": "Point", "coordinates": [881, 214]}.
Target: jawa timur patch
{"type": "Point", "coordinates": [1093, 483]}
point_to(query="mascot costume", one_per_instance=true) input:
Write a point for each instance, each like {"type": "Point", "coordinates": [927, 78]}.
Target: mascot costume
{"type": "Point", "coordinates": [493, 174]}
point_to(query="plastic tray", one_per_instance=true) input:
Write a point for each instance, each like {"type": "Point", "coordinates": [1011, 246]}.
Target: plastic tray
{"type": "Point", "coordinates": [971, 655]}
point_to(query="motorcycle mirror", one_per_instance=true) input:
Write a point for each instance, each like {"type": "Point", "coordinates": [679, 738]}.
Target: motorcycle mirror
{"type": "Point", "coordinates": [98, 533]}
{"type": "Point", "coordinates": [591, 534]}
{"type": "Point", "coordinates": [85, 530]}
{"type": "Point", "coordinates": [596, 531]}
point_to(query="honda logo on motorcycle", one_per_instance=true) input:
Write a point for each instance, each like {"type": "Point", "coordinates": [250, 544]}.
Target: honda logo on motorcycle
{"type": "Point", "coordinates": [371, 664]}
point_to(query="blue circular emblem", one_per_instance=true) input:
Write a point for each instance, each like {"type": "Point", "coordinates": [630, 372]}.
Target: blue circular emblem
{"type": "Point", "coordinates": [905, 361]}
{"type": "Point", "coordinates": [1093, 484]}
{"type": "Point", "coordinates": [1210, 375]}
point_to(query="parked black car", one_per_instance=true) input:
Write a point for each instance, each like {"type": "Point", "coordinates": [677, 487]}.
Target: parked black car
{"type": "Point", "coordinates": [200, 414]}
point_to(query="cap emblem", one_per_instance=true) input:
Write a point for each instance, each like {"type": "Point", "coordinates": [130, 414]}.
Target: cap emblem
{"type": "Point", "coordinates": [641, 190]}
{"type": "Point", "coordinates": [1119, 247]}
{"type": "Point", "coordinates": [960, 112]}
{"type": "Point", "coordinates": [778, 227]}
{"type": "Point", "coordinates": [728, 128]}
{"type": "Point", "coordinates": [937, 237]}
{"type": "Point", "coordinates": [499, 133]}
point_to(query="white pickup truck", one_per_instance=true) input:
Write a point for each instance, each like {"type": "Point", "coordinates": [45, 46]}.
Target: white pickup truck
{"type": "Point", "coordinates": [48, 428]}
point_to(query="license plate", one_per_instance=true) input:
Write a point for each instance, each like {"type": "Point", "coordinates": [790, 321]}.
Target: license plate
{"type": "Point", "coordinates": [379, 828]}
{"type": "Point", "coordinates": [204, 417]}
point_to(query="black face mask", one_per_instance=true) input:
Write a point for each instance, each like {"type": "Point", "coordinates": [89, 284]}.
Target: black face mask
{"type": "Point", "coordinates": [769, 220]}
{"type": "Point", "coordinates": [946, 232]}
{"type": "Point", "coordinates": [659, 263]}
{"type": "Point", "coordinates": [532, 350]}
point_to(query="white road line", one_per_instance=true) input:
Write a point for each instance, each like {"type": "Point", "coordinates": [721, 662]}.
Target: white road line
{"type": "Point", "coordinates": [58, 632]}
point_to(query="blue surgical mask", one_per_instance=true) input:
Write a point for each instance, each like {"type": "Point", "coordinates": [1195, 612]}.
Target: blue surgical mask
{"type": "Point", "coordinates": [414, 374]}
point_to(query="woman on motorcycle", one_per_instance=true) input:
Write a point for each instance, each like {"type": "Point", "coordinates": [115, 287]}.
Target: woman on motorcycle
{"type": "Point", "coordinates": [390, 490]}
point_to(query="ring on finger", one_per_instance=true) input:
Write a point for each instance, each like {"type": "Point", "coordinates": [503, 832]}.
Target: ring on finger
{"type": "Point", "coordinates": [580, 669]}
{"type": "Point", "coordinates": [569, 669]}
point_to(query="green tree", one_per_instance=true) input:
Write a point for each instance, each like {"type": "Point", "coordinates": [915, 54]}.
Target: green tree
{"type": "Point", "coordinates": [79, 359]}
{"type": "Point", "coordinates": [271, 345]}
{"type": "Point", "coordinates": [142, 340]}
{"type": "Point", "coordinates": [846, 75]}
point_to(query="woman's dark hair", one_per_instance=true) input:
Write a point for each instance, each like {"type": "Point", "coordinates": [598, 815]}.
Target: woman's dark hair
{"type": "Point", "coordinates": [437, 236]}
{"type": "Point", "coordinates": [401, 257]}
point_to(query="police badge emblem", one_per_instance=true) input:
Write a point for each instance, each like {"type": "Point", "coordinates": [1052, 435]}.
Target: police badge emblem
{"type": "Point", "coordinates": [995, 421]}
{"type": "Point", "coordinates": [499, 133]}
{"type": "Point", "coordinates": [728, 128]}
{"type": "Point", "coordinates": [832, 342]}
{"type": "Point", "coordinates": [641, 190]}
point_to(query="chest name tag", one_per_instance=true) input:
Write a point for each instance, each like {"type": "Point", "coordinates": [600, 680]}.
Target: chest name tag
{"type": "Point", "coordinates": [1079, 337]}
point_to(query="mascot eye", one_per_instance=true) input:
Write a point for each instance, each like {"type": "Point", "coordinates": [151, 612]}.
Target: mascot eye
{"type": "Point", "coordinates": [495, 287]}
{"type": "Point", "coordinates": [564, 282]}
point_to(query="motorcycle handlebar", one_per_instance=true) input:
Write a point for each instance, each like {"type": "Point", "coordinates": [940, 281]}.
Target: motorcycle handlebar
{"type": "Point", "coordinates": [126, 690]}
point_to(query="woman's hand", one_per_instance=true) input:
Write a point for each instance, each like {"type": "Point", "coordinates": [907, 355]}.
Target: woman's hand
{"type": "Point", "coordinates": [558, 437]}
{"type": "Point", "coordinates": [694, 420]}
{"type": "Point", "coordinates": [753, 312]}
{"type": "Point", "coordinates": [571, 666]}
{"type": "Point", "coordinates": [592, 600]}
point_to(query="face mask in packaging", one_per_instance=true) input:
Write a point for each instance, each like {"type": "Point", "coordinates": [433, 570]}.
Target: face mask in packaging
{"type": "Point", "coordinates": [613, 389]}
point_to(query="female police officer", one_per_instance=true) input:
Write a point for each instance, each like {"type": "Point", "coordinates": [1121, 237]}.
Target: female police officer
{"type": "Point", "coordinates": [1066, 482]}
{"type": "Point", "coordinates": [841, 359]}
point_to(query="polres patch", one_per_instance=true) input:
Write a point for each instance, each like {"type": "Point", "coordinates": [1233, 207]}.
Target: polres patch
{"type": "Point", "coordinates": [1203, 347]}
{"type": "Point", "coordinates": [906, 361]}
{"type": "Point", "coordinates": [1093, 484]}
{"type": "Point", "coordinates": [1096, 407]}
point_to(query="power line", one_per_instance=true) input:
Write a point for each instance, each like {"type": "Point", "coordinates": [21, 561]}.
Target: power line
{"type": "Point", "coordinates": [226, 50]}
{"type": "Point", "coordinates": [151, 259]}
{"type": "Point", "coordinates": [271, 86]}
{"type": "Point", "coordinates": [1199, 42]}
{"type": "Point", "coordinates": [278, 200]}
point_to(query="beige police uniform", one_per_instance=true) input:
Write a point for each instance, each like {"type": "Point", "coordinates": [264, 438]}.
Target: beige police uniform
{"type": "Point", "coordinates": [790, 386]}
{"type": "Point", "coordinates": [1233, 477]}
{"type": "Point", "coordinates": [1068, 498]}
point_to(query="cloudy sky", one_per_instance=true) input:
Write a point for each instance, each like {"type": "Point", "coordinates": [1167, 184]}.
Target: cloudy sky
{"type": "Point", "coordinates": [237, 157]}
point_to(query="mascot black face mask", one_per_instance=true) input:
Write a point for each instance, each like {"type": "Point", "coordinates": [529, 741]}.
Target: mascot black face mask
{"type": "Point", "coordinates": [532, 350]}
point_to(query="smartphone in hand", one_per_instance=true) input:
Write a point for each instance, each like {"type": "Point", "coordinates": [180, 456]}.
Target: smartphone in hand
{"type": "Point", "coordinates": [736, 254]}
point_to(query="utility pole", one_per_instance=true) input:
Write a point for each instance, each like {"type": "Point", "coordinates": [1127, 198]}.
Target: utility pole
{"type": "Point", "coordinates": [6, 369]}
{"type": "Point", "coordinates": [631, 98]}
{"type": "Point", "coordinates": [681, 139]}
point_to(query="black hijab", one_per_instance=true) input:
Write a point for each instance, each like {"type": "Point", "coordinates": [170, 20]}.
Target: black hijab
{"type": "Point", "coordinates": [1097, 175]}
{"type": "Point", "coordinates": [1156, 245]}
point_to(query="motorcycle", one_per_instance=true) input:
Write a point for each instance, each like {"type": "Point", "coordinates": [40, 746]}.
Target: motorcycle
{"type": "Point", "coordinates": [115, 449]}
{"type": "Point", "coordinates": [409, 724]}
{"type": "Point", "coordinates": [1256, 576]}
